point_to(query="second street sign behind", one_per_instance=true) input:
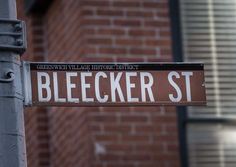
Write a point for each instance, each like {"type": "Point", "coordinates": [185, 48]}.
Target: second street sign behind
{"type": "Point", "coordinates": [122, 84]}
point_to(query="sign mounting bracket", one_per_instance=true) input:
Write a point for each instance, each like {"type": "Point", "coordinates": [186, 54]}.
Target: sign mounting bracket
{"type": "Point", "coordinates": [13, 36]}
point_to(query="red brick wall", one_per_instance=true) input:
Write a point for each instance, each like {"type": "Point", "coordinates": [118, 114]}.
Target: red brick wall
{"type": "Point", "coordinates": [105, 30]}
{"type": "Point", "coordinates": [122, 29]}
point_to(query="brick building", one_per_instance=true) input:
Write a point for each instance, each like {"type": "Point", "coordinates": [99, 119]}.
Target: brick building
{"type": "Point", "coordinates": [118, 31]}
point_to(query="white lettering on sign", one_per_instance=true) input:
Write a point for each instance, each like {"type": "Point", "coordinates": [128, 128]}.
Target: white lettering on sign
{"type": "Point", "coordinates": [146, 86]}
{"type": "Point", "coordinates": [129, 86]}
{"type": "Point", "coordinates": [115, 85]}
{"type": "Point", "coordinates": [85, 86]}
{"type": "Point", "coordinates": [105, 87]}
{"type": "Point", "coordinates": [43, 86]}
{"type": "Point", "coordinates": [70, 86]}
{"type": "Point", "coordinates": [187, 82]}
{"type": "Point", "coordinates": [97, 87]}
{"type": "Point", "coordinates": [56, 90]}
{"type": "Point", "coordinates": [177, 88]}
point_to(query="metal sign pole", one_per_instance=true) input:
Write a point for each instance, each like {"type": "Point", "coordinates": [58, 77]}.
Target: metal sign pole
{"type": "Point", "coordinates": [12, 43]}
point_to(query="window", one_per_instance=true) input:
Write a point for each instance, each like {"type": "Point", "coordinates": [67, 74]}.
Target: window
{"type": "Point", "coordinates": [209, 35]}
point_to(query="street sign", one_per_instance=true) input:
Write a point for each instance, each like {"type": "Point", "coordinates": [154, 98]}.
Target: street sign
{"type": "Point", "coordinates": [113, 84]}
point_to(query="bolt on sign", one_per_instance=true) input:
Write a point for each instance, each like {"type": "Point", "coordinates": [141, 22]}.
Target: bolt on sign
{"type": "Point", "coordinates": [113, 84]}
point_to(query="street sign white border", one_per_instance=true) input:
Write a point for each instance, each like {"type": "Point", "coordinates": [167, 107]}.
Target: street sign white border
{"type": "Point", "coordinates": [27, 89]}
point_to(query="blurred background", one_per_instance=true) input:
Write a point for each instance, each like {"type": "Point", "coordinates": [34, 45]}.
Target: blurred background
{"type": "Point", "coordinates": [135, 31]}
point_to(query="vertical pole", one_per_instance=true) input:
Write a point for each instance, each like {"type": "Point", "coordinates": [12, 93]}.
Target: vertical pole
{"type": "Point", "coordinates": [174, 7]}
{"type": "Point", "coordinates": [12, 133]}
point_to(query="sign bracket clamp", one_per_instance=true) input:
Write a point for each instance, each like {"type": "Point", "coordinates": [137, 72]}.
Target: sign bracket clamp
{"type": "Point", "coordinates": [13, 35]}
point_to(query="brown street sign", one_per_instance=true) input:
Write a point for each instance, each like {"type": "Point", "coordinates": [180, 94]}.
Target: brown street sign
{"type": "Point", "coordinates": [113, 84]}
